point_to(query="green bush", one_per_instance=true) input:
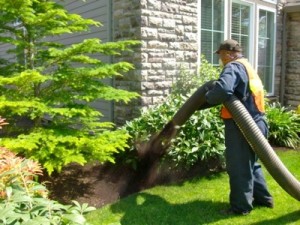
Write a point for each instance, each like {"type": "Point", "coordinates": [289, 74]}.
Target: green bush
{"type": "Point", "coordinates": [46, 93]}
{"type": "Point", "coordinates": [24, 201]}
{"type": "Point", "coordinates": [200, 138]}
{"type": "Point", "coordinates": [185, 83]}
{"type": "Point", "coordinates": [284, 126]}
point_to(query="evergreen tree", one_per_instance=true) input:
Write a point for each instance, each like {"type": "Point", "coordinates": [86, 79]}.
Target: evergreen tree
{"type": "Point", "coordinates": [52, 85]}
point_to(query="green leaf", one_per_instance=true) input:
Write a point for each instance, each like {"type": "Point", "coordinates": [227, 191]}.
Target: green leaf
{"type": "Point", "coordinates": [76, 218]}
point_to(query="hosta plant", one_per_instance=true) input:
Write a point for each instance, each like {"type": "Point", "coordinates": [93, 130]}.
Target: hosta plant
{"type": "Point", "coordinates": [284, 126]}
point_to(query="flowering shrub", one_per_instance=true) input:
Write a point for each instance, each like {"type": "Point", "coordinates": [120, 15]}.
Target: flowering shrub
{"type": "Point", "coordinates": [17, 171]}
{"type": "Point", "coordinates": [24, 201]}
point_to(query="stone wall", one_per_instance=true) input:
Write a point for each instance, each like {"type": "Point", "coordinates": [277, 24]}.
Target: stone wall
{"type": "Point", "coordinates": [287, 72]}
{"type": "Point", "coordinates": [168, 34]}
{"type": "Point", "coordinates": [127, 26]}
{"type": "Point", "coordinates": [279, 49]}
{"type": "Point", "coordinates": [292, 82]}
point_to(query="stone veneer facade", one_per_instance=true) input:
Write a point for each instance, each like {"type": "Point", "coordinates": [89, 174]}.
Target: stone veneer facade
{"type": "Point", "coordinates": [168, 34]}
{"type": "Point", "coordinates": [278, 60]}
{"type": "Point", "coordinates": [169, 42]}
{"type": "Point", "coordinates": [292, 77]}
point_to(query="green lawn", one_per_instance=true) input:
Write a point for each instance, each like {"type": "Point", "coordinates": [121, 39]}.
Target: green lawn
{"type": "Point", "coordinates": [198, 201]}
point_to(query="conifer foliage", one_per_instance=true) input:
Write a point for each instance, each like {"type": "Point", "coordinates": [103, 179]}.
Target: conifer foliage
{"type": "Point", "coordinates": [51, 86]}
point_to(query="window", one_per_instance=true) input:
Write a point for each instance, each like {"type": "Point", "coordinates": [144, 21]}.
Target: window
{"type": "Point", "coordinates": [241, 26]}
{"type": "Point", "coordinates": [212, 27]}
{"type": "Point", "coordinates": [253, 29]}
{"type": "Point", "coordinates": [266, 36]}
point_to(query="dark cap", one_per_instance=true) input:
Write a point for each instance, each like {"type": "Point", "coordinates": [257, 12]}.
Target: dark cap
{"type": "Point", "coordinates": [229, 45]}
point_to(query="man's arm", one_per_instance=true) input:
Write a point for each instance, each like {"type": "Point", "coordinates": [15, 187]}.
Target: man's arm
{"type": "Point", "coordinates": [224, 87]}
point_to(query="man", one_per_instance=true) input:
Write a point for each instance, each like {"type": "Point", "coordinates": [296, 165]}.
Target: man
{"type": "Point", "coordinates": [247, 183]}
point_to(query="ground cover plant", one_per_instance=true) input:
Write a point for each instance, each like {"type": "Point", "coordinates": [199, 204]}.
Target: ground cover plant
{"type": "Point", "coordinates": [198, 201]}
{"type": "Point", "coordinates": [47, 90]}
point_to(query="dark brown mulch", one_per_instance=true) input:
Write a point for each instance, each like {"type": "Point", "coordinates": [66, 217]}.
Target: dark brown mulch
{"type": "Point", "coordinates": [99, 185]}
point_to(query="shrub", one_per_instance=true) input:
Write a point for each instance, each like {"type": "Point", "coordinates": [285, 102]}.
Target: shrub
{"type": "Point", "coordinates": [51, 86]}
{"type": "Point", "coordinates": [25, 201]}
{"type": "Point", "coordinates": [185, 83]}
{"type": "Point", "coordinates": [200, 138]}
{"type": "Point", "coordinates": [284, 126]}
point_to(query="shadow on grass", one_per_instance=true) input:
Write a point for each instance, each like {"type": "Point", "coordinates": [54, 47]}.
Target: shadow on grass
{"type": "Point", "coordinates": [149, 209]}
{"type": "Point", "coordinates": [285, 219]}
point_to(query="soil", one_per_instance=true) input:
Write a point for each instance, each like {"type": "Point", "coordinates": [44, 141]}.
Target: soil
{"type": "Point", "coordinates": [99, 185]}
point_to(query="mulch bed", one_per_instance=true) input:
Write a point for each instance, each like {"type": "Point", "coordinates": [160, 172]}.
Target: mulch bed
{"type": "Point", "coordinates": [99, 185]}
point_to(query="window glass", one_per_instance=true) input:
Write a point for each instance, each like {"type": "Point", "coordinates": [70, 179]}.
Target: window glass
{"type": "Point", "coordinates": [212, 28]}
{"type": "Point", "coordinates": [240, 26]}
{"type": "Point", "coordinates": [266, 26]}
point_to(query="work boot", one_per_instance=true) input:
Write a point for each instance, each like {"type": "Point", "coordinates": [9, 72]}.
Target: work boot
{"type": "Point", "coordinates": [232, 212]}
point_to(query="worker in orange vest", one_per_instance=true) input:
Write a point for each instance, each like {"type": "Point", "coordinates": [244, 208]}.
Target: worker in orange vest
{"type": "Point", "coordinates": [247, 183]}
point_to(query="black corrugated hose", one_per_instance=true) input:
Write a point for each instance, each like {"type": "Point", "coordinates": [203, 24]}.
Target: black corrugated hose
{"type": "Point", "coordinates": [246, 124]}
{"type": "Point", "coordinates": [251, 132]}
{"type": "Point", "coordinates": [262, 147]}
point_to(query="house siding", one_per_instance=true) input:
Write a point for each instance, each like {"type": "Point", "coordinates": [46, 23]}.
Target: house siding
{"type": "Point", "coordinates": [92, 9]}
{"type": "Point", "coordinates": [99, 11]}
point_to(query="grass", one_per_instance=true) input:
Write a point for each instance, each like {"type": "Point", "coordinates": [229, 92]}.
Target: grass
{"type": "Point", "coordinates": [198, 201]}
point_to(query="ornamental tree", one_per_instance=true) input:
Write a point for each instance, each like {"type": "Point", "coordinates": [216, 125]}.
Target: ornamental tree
{"type": "Point", "coordinates": [50, 86]}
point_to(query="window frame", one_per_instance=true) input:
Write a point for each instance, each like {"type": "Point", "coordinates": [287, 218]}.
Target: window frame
{"type": "Point", "coordinates": [270, 1]}
{"type": "Point", "coordinates": [226, 26]}
{"type": "Point", "coordinates": [252, 34]}
{"type": "Point", "coordinates": [269, 9]}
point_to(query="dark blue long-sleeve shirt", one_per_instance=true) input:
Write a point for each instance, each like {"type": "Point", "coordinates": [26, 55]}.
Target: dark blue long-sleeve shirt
{"type": "Point", "coordinates": [233, 80]}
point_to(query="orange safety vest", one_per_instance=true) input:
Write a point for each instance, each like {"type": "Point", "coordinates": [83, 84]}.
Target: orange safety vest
{"type": "Point", "coordinates": [256, 88]}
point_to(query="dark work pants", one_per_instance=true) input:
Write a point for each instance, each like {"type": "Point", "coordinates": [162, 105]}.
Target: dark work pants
{"type": "Point", "coordinates": [246, 179]}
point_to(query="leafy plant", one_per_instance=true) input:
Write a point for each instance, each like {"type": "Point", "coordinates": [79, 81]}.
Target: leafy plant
{"type": "Point", "coordinates": [200, 138]}
{"type": "Point", "coordinates": [185, 83]}
{"type": "Point", "coordinates": [284, 126]}
{"type": "Point", "coordinates": [46, 92]}
{"type": "Point", "coordinates": [25, 201]}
